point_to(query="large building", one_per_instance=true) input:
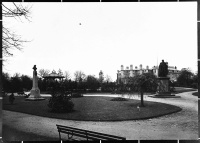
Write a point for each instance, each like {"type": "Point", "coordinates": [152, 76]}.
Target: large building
{"type": "Point", "coordinates": [131, 72]}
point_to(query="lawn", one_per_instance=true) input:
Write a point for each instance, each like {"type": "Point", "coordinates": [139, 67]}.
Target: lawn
{"type": "Point", "coordinates": [183, 89]}
{"type": "Point", "coordinates": [94, 108]}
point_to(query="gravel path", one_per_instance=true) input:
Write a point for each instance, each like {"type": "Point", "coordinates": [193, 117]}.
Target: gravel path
{"type": "Point", "coordinates": [181, 125]}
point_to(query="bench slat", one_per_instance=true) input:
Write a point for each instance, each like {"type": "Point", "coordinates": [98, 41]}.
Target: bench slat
{"type": "Point", "coordinates": [74, 133]}
{"type": "Point", "coordinates": [93, 134]}
{"type": "Point", "coordinates": [87, 137]}
{"type": "Point", "coordinates": [87, 134]}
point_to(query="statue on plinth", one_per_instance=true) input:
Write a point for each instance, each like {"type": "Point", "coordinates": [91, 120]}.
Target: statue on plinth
{"type": "Point", "coordinates": [35, 91]}
{"type": "Point", "coordinates": [163, 69]}
{"type": "Point", "coordinates": [34, 68]}
{"type": "Point", "coordinates": [163, 80]}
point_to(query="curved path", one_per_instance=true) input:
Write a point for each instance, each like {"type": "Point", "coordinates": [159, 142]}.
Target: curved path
{"type": "Point", "coordinates": [181, 125]}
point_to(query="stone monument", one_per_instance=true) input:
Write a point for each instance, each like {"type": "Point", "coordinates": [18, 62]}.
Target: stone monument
{"type": "Point", "coordinates": [163, 89]}
{"type": "Point", "coordinates": [35, 91]}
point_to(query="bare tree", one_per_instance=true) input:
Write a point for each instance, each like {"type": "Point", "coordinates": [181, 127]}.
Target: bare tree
{"type": "Point", "coordinates": [10, 40]}
{"type": "Point", "coordinates": [17, 75]}
{"type": "Point", "coordinates": [60, 72]}
{"type": "Point", "coordinates": [108, 78]}
{"type": "Point", "coordinates": [43, 72]}
{"type": "Point", "coordinates": [16, 10]}
{"type": "Point", "coordinates": [79, 76]}
{"type": "Point", "coordinates": [67, 75]}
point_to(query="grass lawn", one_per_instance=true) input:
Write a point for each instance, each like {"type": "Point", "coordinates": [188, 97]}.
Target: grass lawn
{"type": "Point", "coordinates": [94, 108]}
{"type": "Point", "coordinates": [177, 90]}
{"type": "Point", "coordinates": [182, 89]}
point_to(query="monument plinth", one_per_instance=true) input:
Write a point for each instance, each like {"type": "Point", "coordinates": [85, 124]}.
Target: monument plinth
{"type": "Point", "coordinates": [35, 91]}
{"type": "Point", "coordinates": [163, 88]}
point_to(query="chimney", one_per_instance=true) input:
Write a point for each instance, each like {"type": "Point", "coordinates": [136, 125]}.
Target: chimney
{"type": "Point", "coordinates": [131, 67]}
{"type": "Point", "coordinates": [127, 68]}
{"type": "Point", "coordinates": [140, 66]}
{"type": "Point", "coordinates": [122, 67]}
{"type": "Point", "coordinates": [147, 67]}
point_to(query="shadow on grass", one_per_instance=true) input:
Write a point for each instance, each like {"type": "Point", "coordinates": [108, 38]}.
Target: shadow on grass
{"type": "Point", "coordinates": [119, 99]}
{"type": "Point", "coordinates": [10, 104]}
{"type": "Point", "coordinates": [195, 93]}
{"type": "Point", "coordinates": [54, 112]}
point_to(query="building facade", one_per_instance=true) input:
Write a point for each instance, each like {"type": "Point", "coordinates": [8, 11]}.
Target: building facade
{"type": "Point", "coordinates": [123, 74]}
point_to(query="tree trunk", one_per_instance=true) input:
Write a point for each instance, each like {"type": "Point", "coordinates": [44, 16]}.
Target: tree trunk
{"type": "Point", "coordinates": [142, 101]}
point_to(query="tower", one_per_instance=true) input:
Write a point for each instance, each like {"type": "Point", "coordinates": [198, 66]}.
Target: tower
{"type": "Point", "coordinates": [131, 71]}
{"type": "Point", "coordinates": [122, 71]}
{"type": "Point", "coordinates": [141, 69]}
{"type": "Point", "coordinates": [101, 78]}
{"type": "Point", "coordinates": [122, 67]}
{"type": "Point", "coordinates": [118, 77]}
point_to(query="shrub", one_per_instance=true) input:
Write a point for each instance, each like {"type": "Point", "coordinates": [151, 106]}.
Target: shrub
{"type": "Point", "coordinates": [76, 95]}
{"type": "Point", "coordinates": [172, 89]}
{"type": "Point", "coordinates": [60, 103]}
{"type": "Point", "coordinates": [194, 85]}
{"type": "Point", "coordinates": [11, 98]}
{"type": "Point", "coordinates": [113, 92]}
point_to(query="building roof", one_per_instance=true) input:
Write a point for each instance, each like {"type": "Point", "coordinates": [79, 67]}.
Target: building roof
{"type": "Point", "coordinates": [155, 67]}
{"type": "Point", "coordinates": [53, 75]}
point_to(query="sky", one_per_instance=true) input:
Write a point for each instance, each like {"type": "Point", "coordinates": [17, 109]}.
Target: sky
{"type": "Point", "coordinates": [103, 36]}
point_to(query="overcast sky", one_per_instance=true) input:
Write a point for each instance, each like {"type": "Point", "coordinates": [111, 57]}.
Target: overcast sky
{"type": "Point", "coordinates": [103, 36]}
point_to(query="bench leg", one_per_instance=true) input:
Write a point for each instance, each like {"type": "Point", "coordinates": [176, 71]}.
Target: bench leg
{"type": "Point", "coordinates": [59, 136]}
{"type": "Point", "coordinates": [86, 135]}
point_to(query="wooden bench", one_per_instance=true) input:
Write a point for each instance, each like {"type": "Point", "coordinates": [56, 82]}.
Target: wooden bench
{"type": "Point", "coordinates": [89, 135]}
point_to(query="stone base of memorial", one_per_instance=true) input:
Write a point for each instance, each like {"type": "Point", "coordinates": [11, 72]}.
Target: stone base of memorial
{"type": "Point", "coordinates": [35, 95]}
{"type": "Point", "coordinates": [163, 89]}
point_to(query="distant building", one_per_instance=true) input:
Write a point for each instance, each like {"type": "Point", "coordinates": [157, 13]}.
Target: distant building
{"type": "Point", "coordinates": [53, 75]}
{"type": "Point", "coordinates": [131, 72]}
{"type": "Point", "coordinates": [173, 73]}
